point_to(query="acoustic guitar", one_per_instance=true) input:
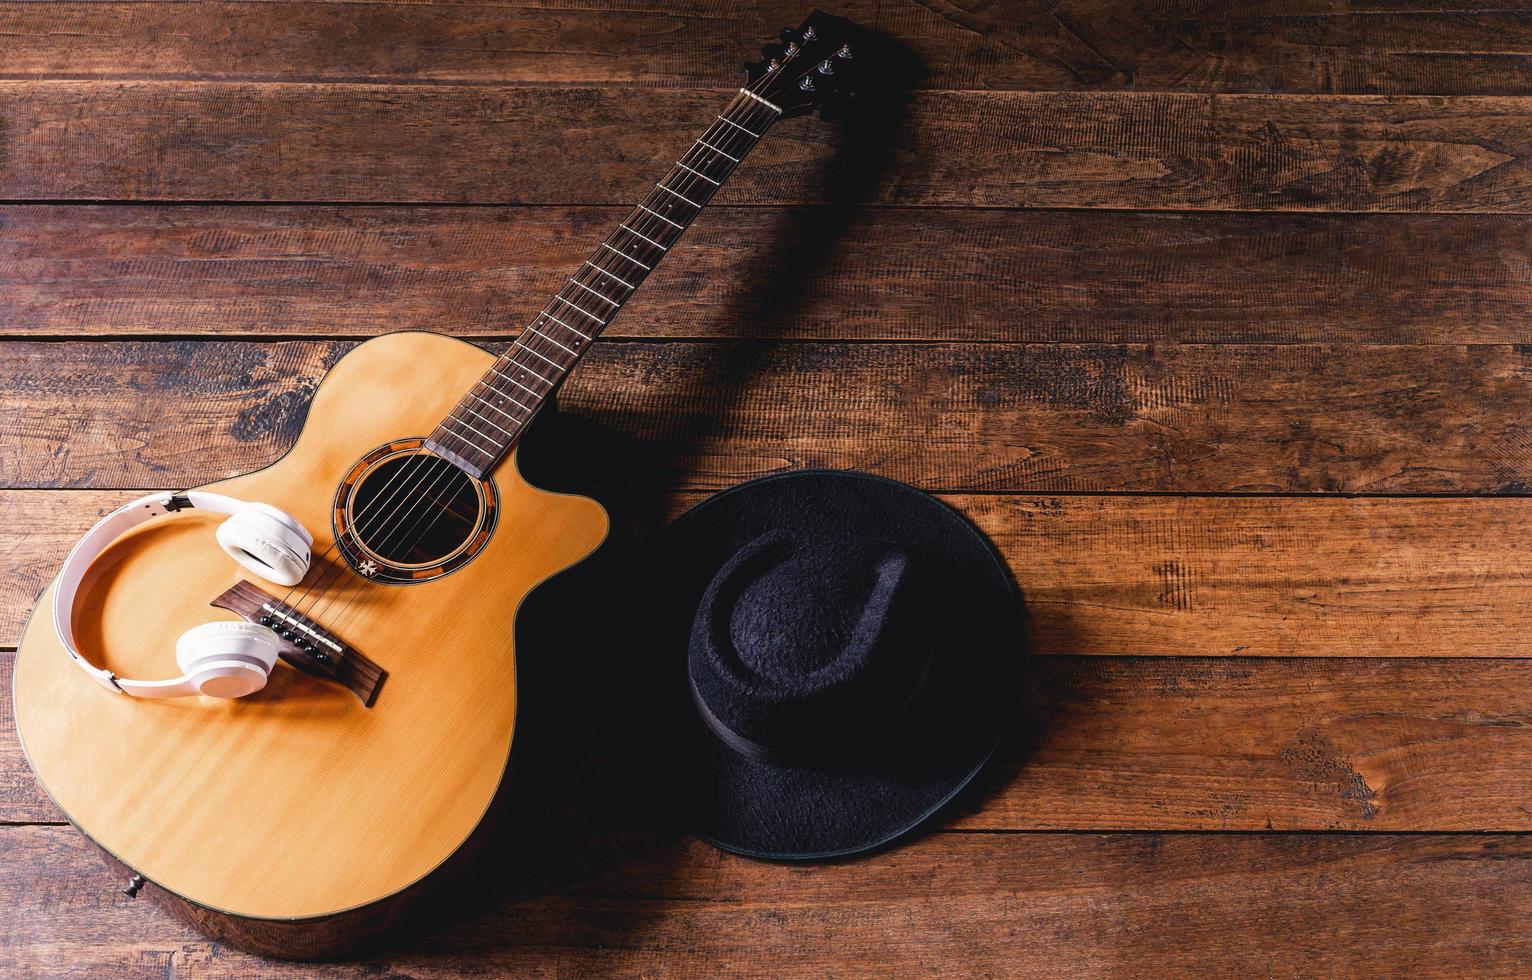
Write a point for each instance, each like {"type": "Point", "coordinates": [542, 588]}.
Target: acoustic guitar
{"type": "Point", "coordinates": [342, 620]}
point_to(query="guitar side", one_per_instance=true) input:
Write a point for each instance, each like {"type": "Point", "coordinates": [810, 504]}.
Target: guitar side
{"type": "Point", "coordinates": [292, 821]}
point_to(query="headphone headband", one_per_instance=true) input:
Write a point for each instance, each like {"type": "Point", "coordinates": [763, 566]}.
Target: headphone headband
{"type": "Point", "coordinates": [89, 548]}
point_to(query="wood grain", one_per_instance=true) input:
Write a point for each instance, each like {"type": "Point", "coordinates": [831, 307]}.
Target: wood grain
{"type": "Point", "coordinates": [1092, 254]}
{"type": "Point", "coordinates": [775, 273]}
{"type": "Point", "coordinates": [1164, 743]}
{"type": "Point", "coordinates": [1032, 906]}
{"type": "Point", "coordinates": [241, 141]}
{"type": "Point", "coordinates": [1274, 45]}
{"type": "Point", "coordinates": [1151, 576]}
{"type": "Point", "coordinates": [993, 417]}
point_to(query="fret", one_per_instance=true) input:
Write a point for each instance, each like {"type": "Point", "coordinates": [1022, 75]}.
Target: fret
{"type": "Point", "coordinates": [662, 218]}
{"type": "Point", "coordinates": [646, 268]}
{"type": "Point", "coordinates": [548, 359]}
{"type": "Point", "coordinates": [536, 374]}
{"type": "Point", "coordinates": [700, 161]}
{"type": "Point", "coordinates": [749, 94]}
{"type": "Point", "coordinates": [728, 140]}
{"type": "Point", "coordinates": [486, 418]}
{"type": "Point", "coordinates": [725, 119]}
{"type": "Point", "coordinates": [530, 391]}
{"type": "Point", "coordinates": [552, 341]}
{"type": "Point", "coordinates": [462, 453]}
{"type": "Point", "coordinates": [566, 326]}
{"type": "Point", "coordinates": [485, 424]}
{"type": "Point", "coordinates": [529, 372]}
{"type": "Point", "coordinates": [698, 173]}
{"type": "Point", "coordinates": [610, 276]}
{"type": "Point", "coordinates": [534, 397]}
{"type": "Point", "coordinates": [500, 394]}
{"type": "Point", "coordinates": [454, 418]}
{"type": "Point", "coordinates": [646, 238]}
{"type": "Point", "coordinates": [576, 282]}
{"type": "Point", "coordinates": [717, 150]}
{"type": "Point", "coordinates": [580, 309]}
{"type": "Point", "coordinates": [680, 195]}
{"type": "Point", "coordinates": [645, 224]}
{"type": "Point", "coordinates": [667, 211]}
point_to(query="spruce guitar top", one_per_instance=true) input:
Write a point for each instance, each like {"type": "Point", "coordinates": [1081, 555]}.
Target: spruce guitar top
{"type": "Point", "coordinates": [338, 713]}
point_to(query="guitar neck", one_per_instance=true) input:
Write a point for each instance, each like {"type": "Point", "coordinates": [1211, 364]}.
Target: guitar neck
{"type": "Point", "coordinates": [486, 423]}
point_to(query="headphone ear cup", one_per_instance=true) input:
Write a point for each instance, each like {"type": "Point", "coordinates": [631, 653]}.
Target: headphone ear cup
{"type": "Point", "coordinates": [285, 519]}
{"type": "Point", "coordinates": [227, 659]}
{"type": "Point", "coordinates": [268, 542]}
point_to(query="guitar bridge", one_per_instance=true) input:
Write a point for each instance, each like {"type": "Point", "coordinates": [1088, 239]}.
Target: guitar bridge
{"type": "Point", "coordinates": [306, 645]}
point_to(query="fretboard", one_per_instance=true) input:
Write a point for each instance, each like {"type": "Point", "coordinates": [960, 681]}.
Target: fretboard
{"type": "Point", "coordinates": [491, 417]}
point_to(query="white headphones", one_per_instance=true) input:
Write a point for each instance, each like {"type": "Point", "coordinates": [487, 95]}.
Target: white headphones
{"type": "Point", "coordinates": [223, 659]}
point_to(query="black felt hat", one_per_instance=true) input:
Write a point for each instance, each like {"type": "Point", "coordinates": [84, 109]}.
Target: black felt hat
{"type": "Point", "coordinates": [847, 654]}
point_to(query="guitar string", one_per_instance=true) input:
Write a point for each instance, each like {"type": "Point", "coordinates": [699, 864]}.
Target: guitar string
{"type": "Point", "coordinates": [422, 472]}
{"type": "Point", "coordinates": [686, 184]}
{"type": "Point", "coordinates": [421, 469]}
{"type": "Point", "coordinates": [413, 475]}
{"type": "Point", "coordinates": [338, 615]}
{"type": "Point", "coordinates": [763, 121]}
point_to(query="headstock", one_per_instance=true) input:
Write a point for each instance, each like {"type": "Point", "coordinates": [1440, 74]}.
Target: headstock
{"type": "Point", "coordinates": [812, 67]}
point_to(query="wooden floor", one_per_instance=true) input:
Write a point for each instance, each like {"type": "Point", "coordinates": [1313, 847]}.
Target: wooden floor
{"type": "Point", "coordinates": [1214, 316]}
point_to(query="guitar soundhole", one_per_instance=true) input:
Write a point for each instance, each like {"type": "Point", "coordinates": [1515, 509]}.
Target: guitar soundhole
{"type": "Point", "coordinates": [406, 515]}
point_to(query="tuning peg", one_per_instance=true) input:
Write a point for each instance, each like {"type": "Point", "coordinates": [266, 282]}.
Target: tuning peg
{"type": "Point", "coordinates": [844, 52]}
{"type": "Point", "coordinates": [807, 84]}
{"type": "Point", "coordinates": [825, 68]}
{"type": "Point", "coordinates": [773, 65]}
{"type": "Point", "coordinates": [808, 34]}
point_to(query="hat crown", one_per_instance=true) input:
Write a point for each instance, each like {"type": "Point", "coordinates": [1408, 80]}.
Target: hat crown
{"type": "Point", "coordinates": [806, 644]}
{"type": "Point", "coordinates": [814, 610]}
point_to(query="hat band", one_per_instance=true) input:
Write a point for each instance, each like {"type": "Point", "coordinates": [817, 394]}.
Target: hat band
{"type": "Point", "coordinates": [797, 753]}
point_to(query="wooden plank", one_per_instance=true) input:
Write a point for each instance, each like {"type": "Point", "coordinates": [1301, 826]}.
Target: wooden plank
{"type": "Point", "coordinates": [1248, 576]}
{"type": "Point", "coordinates": [1173, 743]}
{"type": "Point", "coordinates": [776, 273]}
{"type": "Point", "coordinates": [1048, 905]}
{"type": "Point", "coordinates": [1266, 576]}
{"type": "Point", "coordinates": [1248, 742]}
{"type": "Point", "coordinates": [231, 141]}
{"type": "Point", "coordinates": [996, 417]}
{"type": "Point", "coordinates": [1108, 743]}
{"type": "Point", "coordinates": [1275, 45]}
{"type": "Point", "coordinates": [22, 800]}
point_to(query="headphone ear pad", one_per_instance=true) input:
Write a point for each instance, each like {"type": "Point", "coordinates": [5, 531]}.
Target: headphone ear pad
{"type": "Point", "coordinates": [268, 542]}
{"type": "Point", "coordinates": [227, 659]}
{"type": "Point", "coordinates": [284, 518]}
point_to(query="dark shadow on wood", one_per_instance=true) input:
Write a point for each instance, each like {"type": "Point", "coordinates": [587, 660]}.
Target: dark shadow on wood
{"type": "Point", "coordinates": [584, 759]}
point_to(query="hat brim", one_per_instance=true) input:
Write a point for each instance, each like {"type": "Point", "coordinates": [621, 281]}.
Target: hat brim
{"type": "Point", "coordinates": [899, 780]}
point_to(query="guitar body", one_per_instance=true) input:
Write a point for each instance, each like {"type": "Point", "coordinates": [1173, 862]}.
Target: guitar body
{"type": "Point", "coordinates": [282, 819]}
{"type": "Point", "coordinates": [299, 818]}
